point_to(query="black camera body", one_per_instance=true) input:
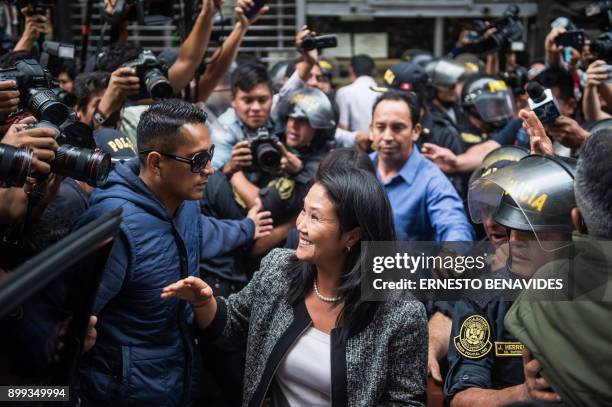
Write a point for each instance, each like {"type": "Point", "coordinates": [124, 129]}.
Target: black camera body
{"type": "Point", "coordinates": [572, 38]}
{"type": "Point", "coordinates": [601, 11]}
{"type": "Point", "coordinates": [266, 156]}
{"type": "Point", "coordinates": [152, 73]}
{"type": "Point", "coordinates": [509, 29]}
{"type": "Point", "coordinates": [516, 79]}
{"type": "Point", "coordinates": [311, 42]}
{"type": "Point", "coordinates": [601, 47]}
{"type": "Point", "coordinates": [34, 84]}
{"type": "Point", "coordinates": [77, 157]}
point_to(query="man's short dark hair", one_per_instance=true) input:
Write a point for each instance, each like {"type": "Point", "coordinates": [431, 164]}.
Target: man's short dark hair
{"type": "Point", "coordinates": [85, 85]}
{"type": "Point", "coordinates": [159, 125]}
{"type": "Point", "coordinates": [402, 96]}
{"type": "Point", "coordinates": [116, 55]}
{"type": "Point", "coordinates": [559, 77]}
{"type": "Point", "coordinates": [592, 183]}
{"type": "Point", "coordinates": [70, 69]}
{"type": "Point", "coordinates": [362, 65]}
{"type": "Point", "coordinates": [248, 76]}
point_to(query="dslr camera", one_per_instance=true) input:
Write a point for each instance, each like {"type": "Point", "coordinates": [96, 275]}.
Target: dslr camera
{"type": "Point", "coordinates": [152, 73]}
{"type": "Point", "coordinates": [516, 79]}
{"type": "Point", "coordinates": [34, 85]}
{"type": "Point", "coordinates": [266, 156]}
{"type": "Point", "coordinates": [509, 29]}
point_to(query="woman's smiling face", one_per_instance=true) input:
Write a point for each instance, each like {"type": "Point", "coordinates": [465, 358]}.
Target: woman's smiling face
{"type": "Point", "coordinates": [319, 229]}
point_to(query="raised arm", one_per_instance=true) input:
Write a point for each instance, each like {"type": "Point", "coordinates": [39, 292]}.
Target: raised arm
{"type": "Point", "coordinates": [193, 48]}
{"type": "Point", "coordinates": [224, 56]}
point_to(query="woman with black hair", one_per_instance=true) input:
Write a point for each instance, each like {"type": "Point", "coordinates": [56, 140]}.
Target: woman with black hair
{"type": "Point", "coordinates": [308, 335]}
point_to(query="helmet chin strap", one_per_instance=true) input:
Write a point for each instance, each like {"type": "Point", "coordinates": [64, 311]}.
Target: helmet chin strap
{"type": "Point", "coordinates": [509, 259]}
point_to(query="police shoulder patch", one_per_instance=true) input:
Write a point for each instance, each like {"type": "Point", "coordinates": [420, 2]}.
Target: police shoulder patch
{"type": "Point", "coordinates": [473, 339]}
{"type": "Point", "coordinates": [471, 138]}
{"type": "Point", "coordinates": [284, 186]}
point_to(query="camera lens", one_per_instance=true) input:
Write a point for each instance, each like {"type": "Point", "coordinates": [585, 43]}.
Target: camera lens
{"type": "Point", "coordinates": [268, 157]}
{"type": "Point", "coordinates": [15, 164]}
{"type": "Point", "coordinates": [83, 164]}
{"type": "Point", "coordinates": [43, 104]}
{"type": "Point", "coordinates": [157, 84]}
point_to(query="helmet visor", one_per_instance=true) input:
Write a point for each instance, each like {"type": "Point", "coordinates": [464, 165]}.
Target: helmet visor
{"type": "Point", "coordinates": [495, 107]}
{"type": "Point", "coordinates": [534, 195]}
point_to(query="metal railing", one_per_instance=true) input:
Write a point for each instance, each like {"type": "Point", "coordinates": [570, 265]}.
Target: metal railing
{"type": "Point", "coordinates": [271, 38]}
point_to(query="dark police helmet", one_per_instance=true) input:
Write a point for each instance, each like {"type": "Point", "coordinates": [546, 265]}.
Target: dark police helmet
{"type": "Point", "coordinates": [310, 104]}
{"type": "Point", "coordinates": [535, 194]}
{"type": "Point", "coordinates": [498, 159]}
{"type": "Point", "coordinates": [490, 97]}
{"type": "Point", "coordinates": [444, 72]}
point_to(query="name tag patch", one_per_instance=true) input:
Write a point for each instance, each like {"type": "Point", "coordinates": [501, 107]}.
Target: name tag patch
{"type": "Point", "coordinates": [509, 349]}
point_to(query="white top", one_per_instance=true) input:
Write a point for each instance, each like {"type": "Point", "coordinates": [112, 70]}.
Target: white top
{"type": "Point", "coordinates": [304, 375]}
{"type": "Point", "coordinates": [355, 103]}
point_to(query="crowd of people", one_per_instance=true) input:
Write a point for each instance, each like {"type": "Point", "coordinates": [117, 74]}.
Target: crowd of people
{"type": "Point", "coordinates": [247, 194]}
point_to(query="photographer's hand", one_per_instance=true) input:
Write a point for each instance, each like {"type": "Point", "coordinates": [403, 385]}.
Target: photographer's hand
{"type": "Point", "coordinates": [123, 82]}
{"type": "Point", "coordinates": [241, 158]}
{"type": "Point", "coordinates": [310, 57]}
{"type": "Point", "coordinates": [35, 25]}
{"type": "Point", "coordinates": [553, 51]}
{"type": "Point", "coordinates": [290, 163]}
{"type": "Point", "coordinates": [567, 132]}
{"type": "Point", "coordinates": [597, 77]}
{"type": "Point", "coordinates": [9, 97]}
{"type": "Point", "coordinates": [40, 140]}
{"type": "Point", "coordinates": [242, 7]}
{"type": "Point", "coordinates": [597, 73]}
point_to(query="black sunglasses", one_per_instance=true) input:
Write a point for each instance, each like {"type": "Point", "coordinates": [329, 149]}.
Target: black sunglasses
{"type": "Point", "coordinates": [198, 162]}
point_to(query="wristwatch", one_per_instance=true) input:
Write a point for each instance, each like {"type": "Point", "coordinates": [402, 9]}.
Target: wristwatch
{"type": "Point", "coordinates": [101, 120]}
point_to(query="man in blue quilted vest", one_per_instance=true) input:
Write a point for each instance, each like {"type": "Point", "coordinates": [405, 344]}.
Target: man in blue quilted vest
{"type": "Point", "coordinates": [144, 353]}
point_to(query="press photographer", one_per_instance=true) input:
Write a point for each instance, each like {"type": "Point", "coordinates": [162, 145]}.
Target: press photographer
{"type": "Point", "coordinates": [283, 170]}
{"type": "Point", "coordinates": [35, 95]}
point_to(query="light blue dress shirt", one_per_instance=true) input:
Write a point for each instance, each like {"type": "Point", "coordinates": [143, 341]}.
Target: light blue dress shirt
{"type": "Point", "coordinates": [425, 204]}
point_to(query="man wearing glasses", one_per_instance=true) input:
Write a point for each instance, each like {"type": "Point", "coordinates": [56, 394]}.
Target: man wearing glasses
{"type": "Point", "coordinates": [145, 350]}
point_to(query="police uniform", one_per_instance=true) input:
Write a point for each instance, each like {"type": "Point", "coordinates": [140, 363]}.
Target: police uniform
{"type": "Point", "coordinates": [482, 353]}
{"type": "Point", "coordinates": [469, 134]}
{"type": "Point", "coordinates": [488, 99]}
{"type": "Point", "coordinates": [534, 194]}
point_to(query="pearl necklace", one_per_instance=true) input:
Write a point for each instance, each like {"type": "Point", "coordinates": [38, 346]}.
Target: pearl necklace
{"type": "Point", "coordinates": [321, 297]}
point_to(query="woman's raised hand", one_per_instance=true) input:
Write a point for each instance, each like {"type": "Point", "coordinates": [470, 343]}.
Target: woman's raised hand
{"type": "Point", "coordinates": [191, 289]}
